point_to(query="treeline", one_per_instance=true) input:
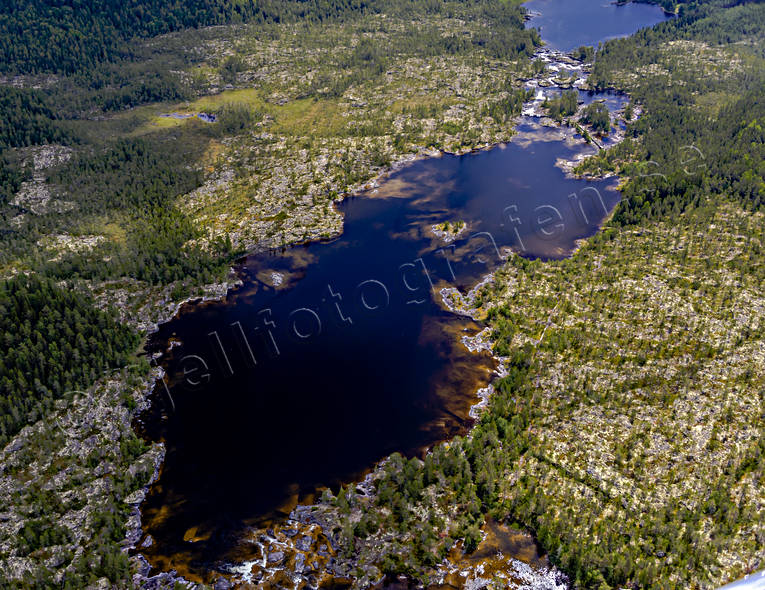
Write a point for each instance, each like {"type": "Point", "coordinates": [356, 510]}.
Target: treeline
{"type": "Point", "coordinates": [66, 37]}
{"type": "Point", "coordinates": [53, 341]}
{"type": "Point", "coordinates": [119, 86]}
{"type": "Point", "coordinates": [688, 150]}
{"type": "Point", "coordinates": [510, 106]}
{"type": "Point", "coordinates": [598, 116]}
{"type": "Point", "coordinates": [133, 172]}
{"type": "Point", "coordinates": [131, 185]}
{"type": "Point", "coordinates": [563, 105]}
{"type": "Point", "coordinates": [667, 5]}
{"type": "Point", "coordinates": [139, 179]}
{"type": "Point", "coordinates": [155, 251]}
{"type": "Point", "coordinates": [27, 119]}
{"type": "Point", "coordinates": [10, 182]}
{"type": "Point", "coordinates": [505, 38]}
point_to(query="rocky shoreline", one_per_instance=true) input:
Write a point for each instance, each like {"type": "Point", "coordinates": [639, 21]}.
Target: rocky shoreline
{"type": "Point", "coordinates": [298, 551]}
{"type": "Point", "coordinates": [568, 73]}
{"type": "Point", "coordinates": [148, 320]}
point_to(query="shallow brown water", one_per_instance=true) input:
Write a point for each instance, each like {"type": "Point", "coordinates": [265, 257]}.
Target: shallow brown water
{"type": "Point", "coordinates": [282, 389]}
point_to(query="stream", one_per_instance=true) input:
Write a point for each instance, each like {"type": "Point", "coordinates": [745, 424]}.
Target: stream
{"type": "Point", "coordinates": [333, 355]}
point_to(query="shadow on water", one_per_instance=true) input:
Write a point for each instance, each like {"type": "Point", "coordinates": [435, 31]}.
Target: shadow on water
{"type": "Point", "coordinates": [333, 355]}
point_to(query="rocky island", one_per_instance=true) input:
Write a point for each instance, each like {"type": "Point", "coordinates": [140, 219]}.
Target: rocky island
{"type": "Point", "coordinates": [584, 408]}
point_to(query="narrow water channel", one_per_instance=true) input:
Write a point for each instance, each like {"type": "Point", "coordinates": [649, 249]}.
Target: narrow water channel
{"type": "Point", "coordinates": [333, 355]}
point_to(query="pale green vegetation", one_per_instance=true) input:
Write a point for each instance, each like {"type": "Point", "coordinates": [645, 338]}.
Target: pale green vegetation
{"type": "Point", "coordinates": [335, 114]}
{"type": "Point", "coordinates": [627, 432]}
{"type": "Point", "coordinates": [628, 435]}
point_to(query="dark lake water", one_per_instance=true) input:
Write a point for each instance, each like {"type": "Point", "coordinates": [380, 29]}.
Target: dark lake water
{"type": "Point", "coordinates": [282, 389]}
{"type": "Point", "coordinates": [569, 24]}
{"type": "Point", "coordinates": [333, 355]}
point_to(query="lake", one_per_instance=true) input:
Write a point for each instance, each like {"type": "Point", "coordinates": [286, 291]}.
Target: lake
{"type": "Point", "coordinates": [333, 355]}
{"type": "Point", "coordinates": [568, 24]}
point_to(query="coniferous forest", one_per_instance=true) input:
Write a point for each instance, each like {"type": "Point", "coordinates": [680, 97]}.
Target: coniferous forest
{"type": "Point", "coordinates": [147, 145]}
{"type": "Point", "coordinates": [678, 157]}
{"type": "Point", "coordinates": [54, 342]}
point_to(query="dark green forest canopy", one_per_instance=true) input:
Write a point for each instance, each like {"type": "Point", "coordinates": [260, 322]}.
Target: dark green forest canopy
{"type": "Point", "coordinates": [141, 177]}
{"type": "Point", "coordinates": [698, 151]}
{"type": "Point", "coordinates": [27, 119]}
{"type": "Point", "coordinates": [50, 35]}
{"type": "Point", "coordinates": [730, 141]}
{"type": "Point", "coordinates": [54, 341]}
{"type": "Point", "coordinates": [65, 37]}
{"type": "Point", "coordinates": [136, 180]}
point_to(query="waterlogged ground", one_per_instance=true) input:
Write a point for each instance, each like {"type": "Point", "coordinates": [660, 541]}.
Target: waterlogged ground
{"type": "Point", "coordinates": [333, 355]}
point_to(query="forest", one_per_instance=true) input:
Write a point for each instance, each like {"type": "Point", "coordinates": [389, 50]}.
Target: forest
{"type": "Point", "coordinates": [674, 122]}
{"type": "Point", "coordinates": [27, 119]}
{"type": "Point", "coordinates": [54, 342]}
{"type": "Point", "coordinates": [66, 37]}
{"type": "Point", "coordinates": [125, 182]}
{"type": "Point", "coordinates": [132, 183]}
{"type": "Point", "coordinates": [598, 117]}
{"type": "Point", "coordinates": [698, 147]}
{"type": "Point", "coordinates": [141, 177]}
{"type": "Point", "coordinates": [562, 106]}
